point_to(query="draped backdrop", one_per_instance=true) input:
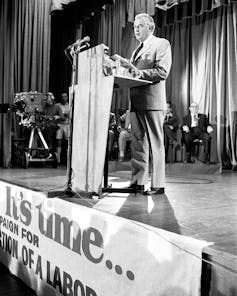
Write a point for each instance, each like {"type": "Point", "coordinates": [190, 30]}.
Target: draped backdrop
{"type": "Point", "coordinates": [24, 57]}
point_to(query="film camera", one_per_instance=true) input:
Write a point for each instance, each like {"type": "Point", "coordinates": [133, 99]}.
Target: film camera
{"type": "Point", "coordinates": [29, 106]}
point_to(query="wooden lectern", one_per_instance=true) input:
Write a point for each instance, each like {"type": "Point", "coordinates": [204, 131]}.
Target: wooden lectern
{"type": "Point", "coordinates": [92, 102]}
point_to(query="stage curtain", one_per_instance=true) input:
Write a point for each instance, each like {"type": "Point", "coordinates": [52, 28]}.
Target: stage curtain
{"type": "Point", "coordinates": [204, 70]}
{"type": "Point", "coordinates": [24, 57]}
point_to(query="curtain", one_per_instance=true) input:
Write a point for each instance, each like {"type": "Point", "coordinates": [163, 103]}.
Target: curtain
{"type": "Point", "coordinates": [64, 25]}
{"type": "Point", "coordinates": [204, 70]}
{"type": "Point", "coordinates": [24, 57]}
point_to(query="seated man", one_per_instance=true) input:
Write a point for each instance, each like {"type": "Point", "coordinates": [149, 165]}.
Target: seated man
{"type": "Point", "coordinates": [111, 134]}
{"type": "Point", "coordinates": [63, 125]}
{"type": "Point", "coordinates": [170, 126]}
{"type": "Point", "coordinates": [196, 126]}
{"type": "Point", "coordinates": [124, 129]}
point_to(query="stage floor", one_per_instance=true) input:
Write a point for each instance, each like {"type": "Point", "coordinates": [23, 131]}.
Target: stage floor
{"type": "Point", "coordinates": [198, 202]}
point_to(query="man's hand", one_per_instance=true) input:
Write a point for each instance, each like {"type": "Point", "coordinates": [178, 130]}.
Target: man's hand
{"type": "Point", "coordinates": [209, 129]}
{"type": "Point", "coordinates": [136, 73]}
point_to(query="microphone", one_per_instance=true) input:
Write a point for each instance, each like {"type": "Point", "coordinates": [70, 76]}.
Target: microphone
{"type": "Point", "coordinates": [86, 39]}
{"type": "Point", "coordinates": [79, 42]}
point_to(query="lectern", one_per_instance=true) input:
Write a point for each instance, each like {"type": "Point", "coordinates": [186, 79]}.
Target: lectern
{"type": "Point", "coordinates": [92, 102]}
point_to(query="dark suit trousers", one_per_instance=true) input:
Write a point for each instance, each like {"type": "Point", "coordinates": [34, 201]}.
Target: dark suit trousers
{"type": "Point", "coordinates": [169, 136]}
{"type": "Point", "coordinates": [147, 136]}
{"type": "Point", "coordinates": [196, 133]}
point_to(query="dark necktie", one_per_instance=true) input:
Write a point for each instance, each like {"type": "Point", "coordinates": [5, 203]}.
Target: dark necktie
{"type": "Point", "coordinates": [137, 51]}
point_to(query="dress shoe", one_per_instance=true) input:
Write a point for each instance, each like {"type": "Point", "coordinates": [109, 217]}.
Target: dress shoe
{"type": "Point", "coordinates": [121, 158]}
{"type": "Point", "coordinates": [132, 186]}
{"type": "Point", "coordinates": [206, 160]}
{"type": "Point", "coordinates": [137, 188]}
{"type": "Point", "coordinates": [140, 188]}
{"type": "Point", "coordinates": [155, 190]}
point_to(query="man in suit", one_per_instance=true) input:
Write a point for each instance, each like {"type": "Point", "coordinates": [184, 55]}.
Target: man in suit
{"type": "Point", "coordinates": [63, 125]}
{"type": "Point", "coordinates": [124, 130]}
{"type": "Point", "coordinates": [111, 134]}
{"type": "Point", "coordinates": [196, 126]}
{"type": "Point", "coordinates": [152, 60]}
{"type": "Point", "coordinates": [171, 125]}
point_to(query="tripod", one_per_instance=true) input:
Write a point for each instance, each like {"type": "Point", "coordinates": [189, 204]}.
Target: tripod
{"type": "Point", "coordinates": [37, 150]}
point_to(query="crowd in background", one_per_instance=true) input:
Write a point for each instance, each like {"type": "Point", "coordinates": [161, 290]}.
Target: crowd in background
{"type": "Point", "coordinates": [193, 129]}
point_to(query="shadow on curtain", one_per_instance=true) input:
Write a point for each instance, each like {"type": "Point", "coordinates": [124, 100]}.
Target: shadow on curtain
{"type": "Point", "coordinates": [24, 58]}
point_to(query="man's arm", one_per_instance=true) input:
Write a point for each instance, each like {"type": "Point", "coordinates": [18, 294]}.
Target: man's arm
{"type": "Point", "coordinates": [162, 66]}
{"type": "Point", "coordinates": [185, 125]}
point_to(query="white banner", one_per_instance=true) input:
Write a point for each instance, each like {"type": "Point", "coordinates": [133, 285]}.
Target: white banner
{"type": "Point", "coordinates": [55, 245]}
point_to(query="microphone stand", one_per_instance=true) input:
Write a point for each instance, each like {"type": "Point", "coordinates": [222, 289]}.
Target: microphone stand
{"type": "Point", "coordinates": [74, 54]}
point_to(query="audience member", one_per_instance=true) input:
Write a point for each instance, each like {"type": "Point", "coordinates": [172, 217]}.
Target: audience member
{"type": "Point", "coordinates": [171, 124]}
{"type": "Point", "coordinates": [124, 130]}
{"type": "Point", "coordinates": [196, 126]}
{"type": "Point", "coordinates": [52, 113]}
{"type": "Point", "coordinates": [63, 125]}
{"type": "Point", "coordinates": [111, 134]}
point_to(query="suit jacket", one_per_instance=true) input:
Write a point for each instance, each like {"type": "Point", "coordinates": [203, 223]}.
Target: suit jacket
{"type": "Point", "coordinates": [203, 122]}
{"type": "Point", "coordinates": [154, 61]}
{"type": "Point", "coordinates": [112, 121]}
{"type": "Point", "coordinates": [173, 121]}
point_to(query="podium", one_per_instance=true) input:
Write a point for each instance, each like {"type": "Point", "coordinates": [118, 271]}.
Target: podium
{"type": "Point", "coordinates": [91, 110]}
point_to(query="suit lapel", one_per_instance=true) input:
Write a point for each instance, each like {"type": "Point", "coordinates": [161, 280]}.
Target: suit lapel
{"type": "Point", "coordinates": [146, 46]}
{"type": "Point", "coordinates": [132, 57]}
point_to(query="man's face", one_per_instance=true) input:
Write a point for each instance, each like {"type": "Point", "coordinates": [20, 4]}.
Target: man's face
{"type": "Point", "coordinates": [49, 101]}
{"type": "Point", "coordinates": [64, 98]}
{"type": "Point", "coordinates": [141, 29]}
{"type": "Point", "coordinates": [193, 109]}
{"type": "Point", "coordinates": [168, 108]}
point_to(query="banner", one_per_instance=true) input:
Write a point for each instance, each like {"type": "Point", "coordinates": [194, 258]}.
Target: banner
{"type": "Point", "coordinates": [61, 248]}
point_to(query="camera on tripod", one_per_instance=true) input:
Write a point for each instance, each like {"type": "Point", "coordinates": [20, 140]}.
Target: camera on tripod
{"type": "Point", "coordinates": [29, 106]}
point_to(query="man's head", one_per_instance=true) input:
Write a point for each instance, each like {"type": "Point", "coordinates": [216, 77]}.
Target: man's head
{"type": "Point", "coordinates": [144, 26]}
{"type": "Point", "coordinates": [121, 111]}
{"type": "Point", "coordinates": [193, 108]}
{"type": "Point", "coordinates": [64, 98]}
{"type": "Point", "coordinates": [168, 107]}
{"type": "Point", "coordinates": [50, 99]}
